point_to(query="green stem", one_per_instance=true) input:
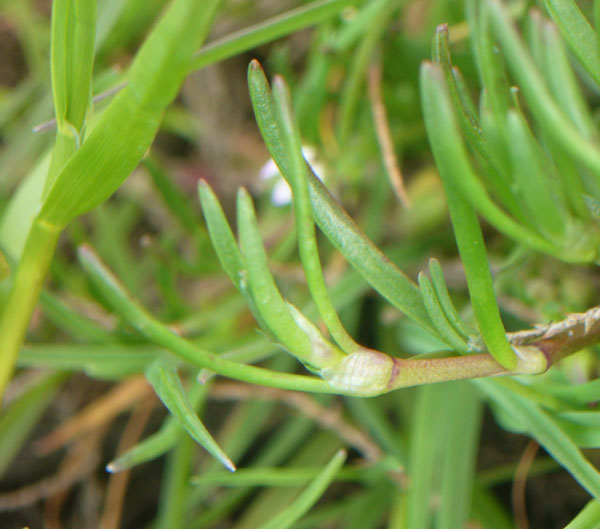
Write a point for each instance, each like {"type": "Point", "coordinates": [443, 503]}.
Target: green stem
{"type": "Point", "coordinates": [24, 294]}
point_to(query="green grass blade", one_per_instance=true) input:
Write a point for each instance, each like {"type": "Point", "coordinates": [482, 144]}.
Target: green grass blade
{"type": "Point", "coordinates": [588, 518]}
{"type": "Point", "coordinates": [437, 315]}
{"type": "Point", "coordinates": [461, 443]}
{"type": "Point", "coordinates": [426, 443]}
{"type": "Point", "coordinates": [167, 385]}
{"type": "Point", "coordinates": [18, 419]}
{"type": "Point", "coordinates": [466, 226]}
{"type": "Point", "coordinates": [72, 60]}
{"type": "Point", "coordinates": [309, 496]}
{"type": "Point", "coordinates": [71, 65]}
{"type": "Point", "coordinates": [111, 362]}
{"type": "Point", "coordinates": [127, 127]}
{"type": "Point", "coordinates": [269, 30]}
{"type": "Point", "coordinates": [305, 228]}
{"type": "Point", "coordinates": [536, 422]}
{"type": "Point", "coordinates": [579, 34]}
{"type": "Point", "coordinates": [335, 223]}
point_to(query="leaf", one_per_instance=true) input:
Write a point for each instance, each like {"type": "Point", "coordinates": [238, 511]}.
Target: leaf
{"type": "Point", "coordinates": [167, 385]}
{"type": "Point", "coordinates": [439, 116]}
{"type": "Point", "coordinates": [335, 223]}
{"type": "Point", "coordinates": [309, 495]}
{"type": "Point", "coordinates": [441, 290]}
{"type": "Point", "coordinates": [122, 303]}
{"type": "Point", "coordinates": [579, 34]}
{"type": "Point", "coordinates": [542, 106]}
{"type": "Point", "coordinates": [268, 31]}
{"type": "Point", "coordinates": [438, 317]}
{"type": "Point", "coordinates": [18, 418]}
{"type": "Point", "coordinates": [540, 425]}
{"type": "Point", "coordinates": [305, 229]}
{"type": "Point", "coordinates": [588, 518]}
{"type": "Point", "coordinates": [309, 348]}
{"type": "Point", "coordinates": [127, 127]}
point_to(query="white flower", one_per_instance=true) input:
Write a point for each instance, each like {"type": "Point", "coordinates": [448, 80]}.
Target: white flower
{"type": "Point", "coordinates": [281, 194]}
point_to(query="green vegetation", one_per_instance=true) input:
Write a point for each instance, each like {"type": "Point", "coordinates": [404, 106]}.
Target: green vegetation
{"type": "Point", "coordinates": [436, 259]}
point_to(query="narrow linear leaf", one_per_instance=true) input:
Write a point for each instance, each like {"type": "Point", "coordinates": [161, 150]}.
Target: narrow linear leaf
{"type": "Point", "coordinates": [588, 518]}
{"type": "Point", "coordinates": [441, 290]}
{"type": "Point", "coordinates": [426, 446]}
{"type": "Point", "coordinates": [305, 228]}
{"type": "Point", "coordinates": [452, 160]}
{"type": "Point", "coordinates": [269, 30]}
{"type": "Point", "coordinates": [150, 448]}
{"type": "Point", "coordinates": [127, 127]}
{"type": "Point", "coordinates": [309, 496]}
{"type": "Point", "coordinates": [167, 385]}
{"type": "Point", "coordinates": [579, 34]}
{"type": "Point", "coordinates": [563, 82]}
{"type": "Point", "coordinates": [335, 223]}
{"type": "Point", "coordinates": [538, 97]}
{"type": "Point", "coordinates": [437, 315]}
{"type": "Point", "coordinates": [468, 122]}
{"type": "Point", "coordinates": [160, 442]}
{"type": "Point", "coordinates": [466, 226]}
{"type": "Point", "coordinates": [269, 301]}
{"type": "Point", "coordinates": [461, 442]}
{"type": "Point", "coordinates": [537, 423]}
{"type": "Point", "coordinates": [135, 315]}
{"type": "Point", "coordinates": [531, 178]}
{"type": "Point", "coordinates": [227, 249]}
{"type": "Point", "coordinates": [221, 235]}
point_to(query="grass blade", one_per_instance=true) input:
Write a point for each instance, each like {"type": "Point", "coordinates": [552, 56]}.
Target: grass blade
{"type": "Point", "coordinates": [309, 496]}
{"type": "Point", "coordinates": [127, 127]}
{"type": "Point", "coordinates": [269, 30]}
{"type": "Point", "coordinates": [588, 518]}
{"type": "Point", "coordinates": [20, 417]}
{"type": "Point", "coordinates": [537, 423]}
{"type": "Point", "coordinates": [167, 385]}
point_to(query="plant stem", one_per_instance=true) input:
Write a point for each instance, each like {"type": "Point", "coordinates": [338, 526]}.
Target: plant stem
{"type": "Point", "coordinates": [24, 294]}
